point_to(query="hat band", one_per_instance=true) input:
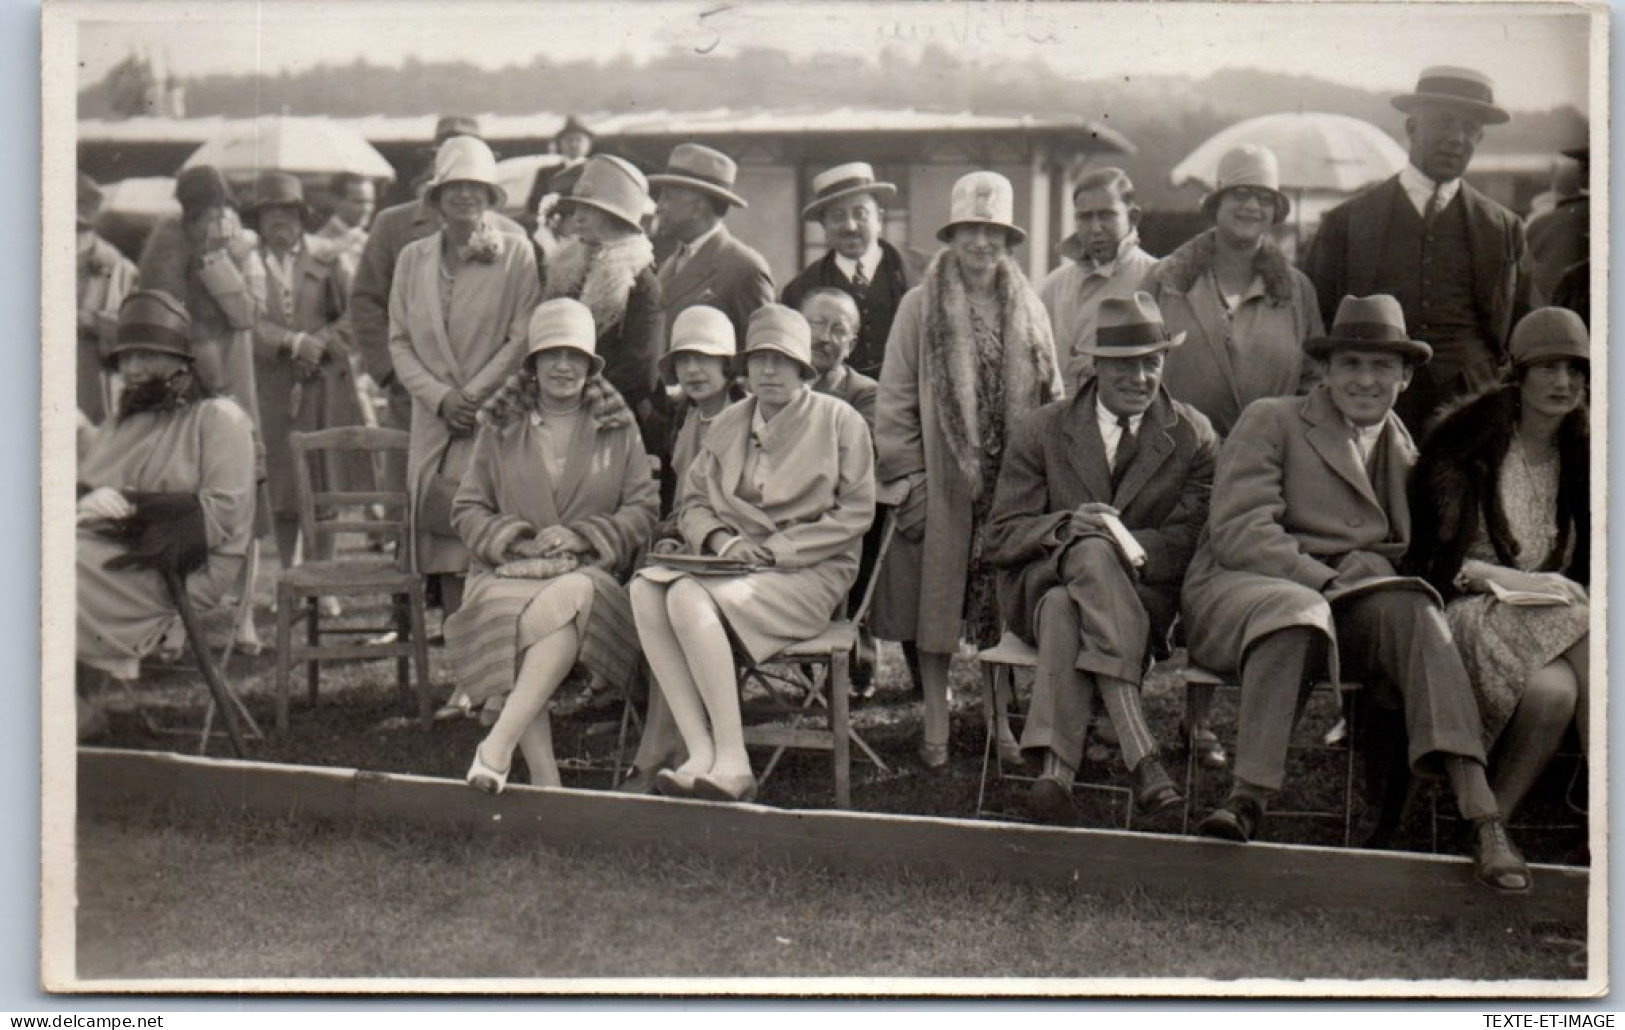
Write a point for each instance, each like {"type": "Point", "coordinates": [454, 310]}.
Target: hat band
{"type": "Point", "coordinates": [1377, 332]}
{"type": "Point", "coordinates": [1140, 335]}
{"type": "Point", "coordinates": [857, 182]}
{"type": "Point", "coordinates": [713, 180]}
{"type": "Point", "coordinates": [150, 334]}
{"type": "Point", "coordinates": [1463, 89]}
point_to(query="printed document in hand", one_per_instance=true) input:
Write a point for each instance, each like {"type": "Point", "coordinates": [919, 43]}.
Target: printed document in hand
{"type": "Point", "coordinates": [1125, 540]}
{"type": "Point", "coordinates": [1526, 598]}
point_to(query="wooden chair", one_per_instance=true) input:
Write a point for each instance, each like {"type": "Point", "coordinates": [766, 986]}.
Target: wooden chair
{"type": "Point", "coordinates": [326, 513]}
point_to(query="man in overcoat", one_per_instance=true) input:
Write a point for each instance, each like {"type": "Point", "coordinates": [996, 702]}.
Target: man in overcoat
{"type": "Point", "coordinates": [1295, 576]}
{"type": "Point", "coordinates": [1456, 260]}
{"type": "Point", "coordinates": [708, 266]}
{"type": "Point", "coordinates": [1098, 608]}
{"type": "Point", "coordinates": [849, 203]}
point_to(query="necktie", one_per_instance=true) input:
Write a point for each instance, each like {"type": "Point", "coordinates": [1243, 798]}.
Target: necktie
{"type": "Point", "coordinates": [678, 256]}
{"type": "Point", "coordinates": [860, 282]}
{"type": "Point", "coordinates": [1127, 447]}
{"type": "Point", "coordinates": [1435, 202]}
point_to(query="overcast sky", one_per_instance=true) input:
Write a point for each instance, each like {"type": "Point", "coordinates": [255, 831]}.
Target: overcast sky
{"type": "Point", "coordinates": [1537, 53]}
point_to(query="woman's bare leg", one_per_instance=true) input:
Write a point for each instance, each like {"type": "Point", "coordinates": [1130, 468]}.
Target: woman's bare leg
{"type": "Point", "coordinates": [1534, 733]}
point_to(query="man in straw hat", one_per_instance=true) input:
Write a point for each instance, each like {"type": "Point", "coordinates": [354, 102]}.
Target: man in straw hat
{"type": "Point", "coordinates": [1099, 504]}
{"type": "Point", "coordinates": [169, 476]}
{"type": "Point", "coordinates": [709, 266]}
{"type": "Point", "coordinates": [1455, 259]}
{"type": "Point", "coordinates": [105, 278]}
{"type": "Point", "coordinates": [849, 203]}
{"type": "Point", "coordinates": [1295, 577]}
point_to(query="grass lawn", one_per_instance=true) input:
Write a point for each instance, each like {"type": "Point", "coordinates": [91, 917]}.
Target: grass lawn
{"type": "Point", "coordinates": [172, 895]}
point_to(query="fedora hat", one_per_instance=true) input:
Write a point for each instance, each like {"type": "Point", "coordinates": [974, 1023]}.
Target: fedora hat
{"type": "Point", "coordinates": [1128, 327]}
{"type": "Point", "coordinates": [1547, 333]}
{"type": "Point", "coordinates": [697, 167]}
{"type": "Point", "coordinates": [465, 159]}
{"type": "Point", "coordinates": [563, 322]}
{"type": "Point", "coordinates": [1249, 165]}
{"type": "Point", "coordinates": [201, 187]}
{"type": "Point", "coordinates": [844, 181]}
{"type": "Point", "coordinates": [275, 189]}
{"type": "Point", "coordinates": [783, 330]}
{"type": "Point", "coordinates": [451, 125]}
{"type": "Point", "coordinates": [1460, 87]}
{"type": "Point", "coordinates": [700, 329]}
{"type": "Point", "coordinates": [87, 201]}
{"type": "Point", "coordinates": [1376, 322]}
{"type": "Point", "coordinates": [983, 198]}
{"type": "Point", "coordinates": [613, 186]}
{"type": "Point", "coordinates": [572, 124]}
{"type": "Point", "coordinates": [151, 320]}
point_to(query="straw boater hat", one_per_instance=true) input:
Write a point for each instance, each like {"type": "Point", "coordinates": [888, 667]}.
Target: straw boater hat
{"type": "Point", "coordinates": [783, 330]}
{"type": "Point", "coordinates": [842, 181]}
{"type": "Point", "coordinates": [1459, 87]}
{"type": "Point", "coordinates": [275, 189]}
{"type": "Point", "coordinates": [695, 167]}
{"type": "Point", "coordinates": [465, 159]}
{"type": "Point", "coordinates": [1249, 165]}
{"type": "Point", "coordinates": [613, 186]}
{"type": "Point", "coordinates": [699, 330]}
{"type": "Point", "coordinates": [563, 322]}
{"type": "Point", "coordinates": [983, 198]}
{"type": "Point", "coordinates": [1376, 323]}
{"type": "Point", "coordinates": [1128, 327]}
{"type": "Point", "coordinates": [152, 320]}
{"type": "Point", "coordinates": [1547, 333]}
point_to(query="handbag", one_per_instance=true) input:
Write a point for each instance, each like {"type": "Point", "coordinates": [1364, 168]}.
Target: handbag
{"type": "Point", "coordinates": [434, 513]}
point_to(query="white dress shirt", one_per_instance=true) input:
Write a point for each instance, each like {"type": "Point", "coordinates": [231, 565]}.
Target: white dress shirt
{"type": "Point", "coordinates": [1420, 188]}
{"type": "Point", "coordinates": [869, 263]}
{"type": "Point", "coordinates": [1111, 434]}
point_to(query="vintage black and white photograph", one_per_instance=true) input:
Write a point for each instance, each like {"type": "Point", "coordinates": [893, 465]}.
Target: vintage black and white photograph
{"type": "Point", "coordinates": [825, 498]}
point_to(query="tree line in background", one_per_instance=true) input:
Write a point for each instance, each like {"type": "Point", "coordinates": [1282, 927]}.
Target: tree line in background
{"type": "Point", "coordinates": [1165, 115]}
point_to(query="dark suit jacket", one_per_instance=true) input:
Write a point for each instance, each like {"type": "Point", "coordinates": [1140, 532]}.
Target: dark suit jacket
{"type": "Point", "coordinates": [724, 274]}
{"type": "Point", "coordinates": [1055, 461]}
{"type": "Point", "coordinates": [1346, 256]}
{"type": "Point", "coordinates": [907, 268]}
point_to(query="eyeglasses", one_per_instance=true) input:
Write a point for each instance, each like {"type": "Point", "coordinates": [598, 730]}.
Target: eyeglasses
{"type": "Point", "coordinates": [836, 331]}
{"type": "Point", "coordinates": [1262, 197]}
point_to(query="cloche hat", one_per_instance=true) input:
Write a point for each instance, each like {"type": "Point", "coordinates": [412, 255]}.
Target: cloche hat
{"type": "Point", "coordinates": [613, 186]}
{"type": "Point", "coordinates": [783, 330]}
{"type": "Point", "coordinates": [465, 159]}
{"type": "Point", "coordinates": [1376, 322]}
{"type": "Point", "coordinates": [1249, 165]}
{"type": "Point", "coordinates": [563, 322]}
{"type": "Point", "coordinates": [983, 198]}
{"type": "Point", "coordinates": [700, 329]}
{"type": "Point", "coordinates": [1547, 333]}
{"type": "Point", "coordinates": [275, 189]}
{"type": "Point", "coordinates": [152, 320]}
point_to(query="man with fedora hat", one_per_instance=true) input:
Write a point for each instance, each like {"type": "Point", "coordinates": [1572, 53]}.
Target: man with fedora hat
{"type": "Point", "coordinates": [1296, 576]}
{"type": "Point", "coordinates": [105, 278]}
{"type": "Point", "coordinates": [1100, 500]}
{"type": "Point", "coordinates": [302, 366]}
{"type": "Point", "coordinates": [573, 141]}
{"type": "Point", "coordinates": [166, 481]}
{"type": "Point", "coordinates": [1456, 260]}
{"type": "Point", "coordinates": [709, 266]}
{"type": "Point", "coordinates": [849, 203]}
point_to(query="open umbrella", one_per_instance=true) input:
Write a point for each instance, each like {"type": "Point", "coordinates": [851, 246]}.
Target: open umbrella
{"type": "Point", "coordinates": [1317, 151]}
{"type": "Point", "coordinates": [245, 148]}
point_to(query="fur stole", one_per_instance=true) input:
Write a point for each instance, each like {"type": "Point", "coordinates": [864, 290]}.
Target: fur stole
{"type": "Point", "coordinates": [1191, 260]}
{"type": "Point", "coordinates": [1031, 377]}
{"type": "Point", "coordinates": [1457, 478]}
{"type": "Point", "coordinates": [600, 277]}
{"type": "Point", "coordinates": [520, 396]}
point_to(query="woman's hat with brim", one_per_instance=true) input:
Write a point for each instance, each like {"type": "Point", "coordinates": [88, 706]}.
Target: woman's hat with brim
{"type": "Point", "coordinates": [465, 159]}
{"type": "Point", "coordinates": [614, 187]}
{"type": "Point", "coordinates": [201, 187]}
{"type": "Point", "coordinates": [1547, 334]}
{"type": "Point", "coordinates": [1130, 327]}
{"type": "Point", "coordinates": [275, 189]}
{"type": "Point", "coordinates": [783, 330]}
{"type": "Point", "coordinates": [700, 168]}
{"type": "Point", "coordinates": [1249, 165]}
{"type": "Point", "coordinates": [700, 329]}
{"type": "Point", "coordinates": [1374, 323]}
{"type": "Point", "coordinates": [1458, 87]}
{"type": "Point", "coordinates": [153, 321]}
{"type": "Point", "coordinates": [843, 181]}
{"type": "Point", "coordinates": [983, 198]}
{"type": "Point", "coordinates": [563, 322]}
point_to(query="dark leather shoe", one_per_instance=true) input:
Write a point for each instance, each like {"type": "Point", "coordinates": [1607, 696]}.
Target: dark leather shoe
{"type": "Point", "coordinates": [1154, 791]}
{"type": "Point", "coordinates": [1238, 819]}
{"type": "Point", "coordinates": [1496, 861]}
{"type": "Point", "coordinates": [1204, 742]}
{"type": "Point", "coordinates": [1050, 801]}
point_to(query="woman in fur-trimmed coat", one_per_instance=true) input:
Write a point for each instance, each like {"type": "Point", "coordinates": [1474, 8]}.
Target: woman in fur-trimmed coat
{"type": "Point", "coordinates": [1245, 309]}
{"type": "Point", "coordinates": [969, 350]}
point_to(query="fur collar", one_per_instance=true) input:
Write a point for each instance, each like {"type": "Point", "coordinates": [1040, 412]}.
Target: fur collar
{"type": "Point", "coordinates": [600, 277]}
{"type": "Point", "coordinates": [518, 397]}
{"type": "Point", "coordinates": [1181, 270]}
{"type": "Point", "coordinates": [1031, 378]}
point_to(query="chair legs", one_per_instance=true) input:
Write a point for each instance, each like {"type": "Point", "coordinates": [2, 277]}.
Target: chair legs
{"type": "Point", "coordinates": [840, 692]}
{"type": "Point", "coordinates": [420, 654]}
{"type": "Point", "coordinates": [313, 637]}
{"type": "Point", "coordinates": [284, 653]}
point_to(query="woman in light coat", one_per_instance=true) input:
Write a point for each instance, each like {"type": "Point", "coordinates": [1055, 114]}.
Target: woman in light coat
{"type": "Point", "coordinates": [556, 504]}
{"type": "Point", "coordinates": [970, 349]}
{"type": "Point", "coordinates": [458, 312]}
{"type": "Point", "coordinates": [783, 485]}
